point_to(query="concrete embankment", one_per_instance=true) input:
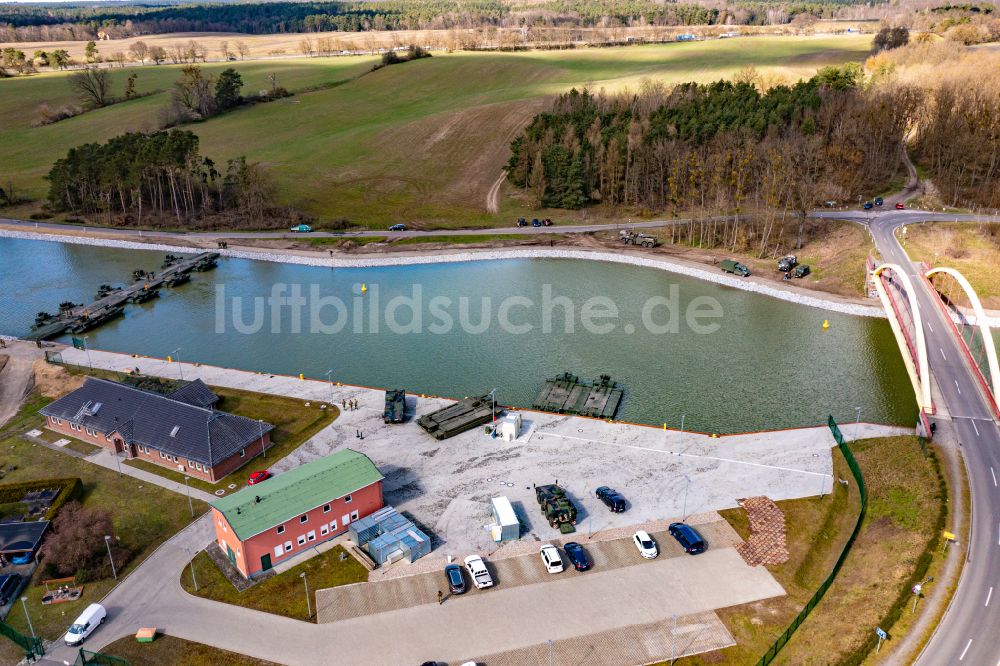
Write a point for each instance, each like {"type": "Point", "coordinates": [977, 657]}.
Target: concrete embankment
{"type": "Point", "coordinates": [717, 277]}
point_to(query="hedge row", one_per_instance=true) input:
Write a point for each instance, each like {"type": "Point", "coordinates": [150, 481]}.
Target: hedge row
{"type": "Point", "coordinates": [70, 489]}
{"type": "Point", "coordinates": [905, 597]}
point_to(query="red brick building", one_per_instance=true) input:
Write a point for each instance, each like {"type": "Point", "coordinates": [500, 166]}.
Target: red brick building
{"type": "Point", "coordinates": [280, 518]}
{"type": "Point", "coordinates": [177, 431]}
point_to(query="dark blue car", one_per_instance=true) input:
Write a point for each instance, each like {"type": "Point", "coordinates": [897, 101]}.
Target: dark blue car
{"type": "Point", "coordinates": [577, 556]}
{"type": "Point", "coordinates": [456, 581]}
{"type": "Point", "coordinates": [688, 538]}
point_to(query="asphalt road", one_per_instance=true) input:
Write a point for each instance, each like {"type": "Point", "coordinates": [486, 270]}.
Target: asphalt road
{"type": "Point", "coordinates": [968, 632]}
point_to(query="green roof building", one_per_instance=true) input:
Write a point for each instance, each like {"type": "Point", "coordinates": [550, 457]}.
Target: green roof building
{"type": "Point", "coordinates": [290, 513]}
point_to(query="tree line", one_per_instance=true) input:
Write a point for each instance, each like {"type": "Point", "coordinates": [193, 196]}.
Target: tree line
{"type": "Point", "coordinates": [157, 178]}
{"type": "Point", "coordinates": [34, 23]}
{"type": "Point", "coordinates": [719, 151]}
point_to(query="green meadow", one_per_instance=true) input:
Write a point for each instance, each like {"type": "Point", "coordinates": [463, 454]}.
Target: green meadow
{"type": "Point", "coordinates": [420, 142]}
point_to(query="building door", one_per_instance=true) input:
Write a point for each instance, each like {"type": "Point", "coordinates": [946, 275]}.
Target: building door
{"type": "Point", "coordinates": [231, 555]}
{"type": "Point", "coordinates": [265, 561]}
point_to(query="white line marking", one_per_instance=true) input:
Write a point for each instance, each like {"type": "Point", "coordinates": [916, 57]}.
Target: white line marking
{"type": "Point", "coordinates": [930, 327]}
{"type": "Point", "coordinates": [988, 595]}
{"type": "Point", "coordinates": [994, 475]}
{"type": "Point", "coordinates": [974, 425]}
{"type": "Point", "coordinates": [962, 656]}
{"type": "Point", "coordinates": [942, 354]}
{"type": "Point", "coordinates": [957, 386]}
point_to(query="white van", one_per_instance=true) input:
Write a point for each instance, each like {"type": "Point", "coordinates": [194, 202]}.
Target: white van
{"type": "Point", "coordinates": [84, 626]}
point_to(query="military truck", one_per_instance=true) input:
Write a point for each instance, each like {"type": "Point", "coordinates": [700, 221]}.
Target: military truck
{"type": "Point", "coordinates": [801, 271]}
{"type": "Point", "coordinates": [787, 263]}
{"type": "Point", "coordinates": [735, 267]}
{"type": "Point", "coordinates": [629, 237]}
{"type": "Point", "coordinates": [395, 406]}
{"type": "Point", "coordinates": [558, 509]}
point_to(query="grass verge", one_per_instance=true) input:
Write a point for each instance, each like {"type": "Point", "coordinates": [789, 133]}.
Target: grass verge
{"type": "Point", "coordinates": [281, 594]}
{"type": "Point", "coordinates": [968, 248]}
{"type": "Point", "coordinates": [905, 496]}
{"type": "Point", "coordinates": [172, 651]}
{"type": "Point", "coordinates": [153, 514]}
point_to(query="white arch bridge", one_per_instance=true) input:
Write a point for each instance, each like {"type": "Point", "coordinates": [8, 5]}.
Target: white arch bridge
{"type": "Point", "coordinates": [962, 309]}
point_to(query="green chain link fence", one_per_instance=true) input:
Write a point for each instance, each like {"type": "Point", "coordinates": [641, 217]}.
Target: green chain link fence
{"type": "Point", "coordinates": [86, 657]}
{"type": "Point", "coordinates": [32, 646]}
{"type": "Point", "coordinates": [786, 635]}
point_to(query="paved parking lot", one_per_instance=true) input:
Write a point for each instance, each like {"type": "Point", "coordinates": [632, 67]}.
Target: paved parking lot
{"type": "Point", "coordinates": [380, 596]}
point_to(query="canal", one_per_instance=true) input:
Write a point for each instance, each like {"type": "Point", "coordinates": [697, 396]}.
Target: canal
{"type": "Point", "coordinates": [761, 363]}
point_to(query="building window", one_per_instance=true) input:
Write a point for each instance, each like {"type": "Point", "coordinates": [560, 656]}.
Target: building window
{"type": "Point", "coordinates": [175, 459]}
{"type": "Point", "coordinates": [278, 551]}
{"type": "Point", "coordinates": [354, 515]}
{"type": "Point", "coordinates": [91, 432]}
{"type": "Point", "coordinates": [333, 525]}
{"type": "Point", "coordinates": [145, 449]}
{"type": "Point", "coordinates": [347, 499]}
{"type": "Point", "coordinates": [324, 530]}
{"type": "Point", "coordinates": [304, 518]}
{"type": "Point", "coordinates": [302, 539]}
{"type": "Point", "coordinates": [243, 452]}
{"type": "Point", "coordinates": [162, 455]}
{"type": "Point", "coordinates": [281, 529]}
{"type": "Point", "coordinates": [326, 508]}
{"type": "Point", "coordinates": [288, 546]}
{"type": "Point", "coordinates": [312, 535]}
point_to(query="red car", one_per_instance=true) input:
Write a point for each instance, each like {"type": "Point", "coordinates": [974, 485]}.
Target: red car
{"type": "Point", "coordinates": [257, 477]}
{"type": "Point", "coordinates": [900, 206]}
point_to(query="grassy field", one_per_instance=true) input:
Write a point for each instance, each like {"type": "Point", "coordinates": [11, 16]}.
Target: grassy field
{"type": "Point", "coordinates": [143, 515]}
{"type": "Point", "coordinates": [420, 142]}
{"type": "Point", "coordinates": [963, 247]}
{"type": "Point", "coordinates": [172, 651]}
{"type": "Point", "coordinates": [281, 594]}
{"type": "Point", "coordinates": [903, 501]}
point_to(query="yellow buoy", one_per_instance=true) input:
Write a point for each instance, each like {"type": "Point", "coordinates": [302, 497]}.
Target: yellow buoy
{"type": "Point", "coordinates": [826, 324]}
{"type": "Point", "coordinates": [364, 287]}
{"type": "Point", "coordinates": [301, 376]}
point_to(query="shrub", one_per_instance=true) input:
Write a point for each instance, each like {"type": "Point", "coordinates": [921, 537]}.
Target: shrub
{"type": "Point", "coordinates": [77, 538]}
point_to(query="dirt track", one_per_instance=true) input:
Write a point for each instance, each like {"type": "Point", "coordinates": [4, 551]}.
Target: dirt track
{"type": "Point", "coordinates": [16, 377]}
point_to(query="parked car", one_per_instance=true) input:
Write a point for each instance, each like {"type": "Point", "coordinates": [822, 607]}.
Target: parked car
{"type": "Point", "coordinates": [900, 206]}
{"type": "Point", "coordinates": [577, 556]}
{"type": "Point", "coordinates": [830, 204]}
{"type": "Point", "coordinates": [801, 271]}
{"type": "Point", "coordinates": [612, 499]}
{"type": "Point", "coordinates": [23, 558]}
{"type": "Point", "coordinates": [89, 620]}
{"type": "Point", "coordinates": [868, 205]}
{"type": "Point", "coordinates": [546, 222]}
{"type": "Point", "coordinates": [878, 201]}
{"type": "Point", "coordinates": [398, 227]}
{"type": "Point", "coordinates": [257, 477]}
{"type": "Point", "coordinates": [301, 229]}
{"type": "Point", "coordinates": [456, 581]}
{"type": "Point", "coordinates": [8, 587]}
{"type": "Point", "coordinates": [688, 538]}
{"type": "Point", "coordinates": [550, 558]}
{"type": "Point", "coordinates": [787, 263]}
{"type": "Point", "coordinates": [645, 544]}
{"type": "Point", "coordinates": [535, 222]}
{"type": "Point", "coordinates": [521, 222]}
{"type": "Point", "coordinates": [480, 574]}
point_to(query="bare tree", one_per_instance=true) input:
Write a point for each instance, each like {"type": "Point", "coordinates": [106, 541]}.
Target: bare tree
{"type": "Point", "coordinates": [157, 54]}
{"type": "Point", "coordinates": [118, 57]}
{"type": "Point", "coordinates": [224, 49]}
{"type": "Point", "coordinates": [139, 51]}
{"type": "Point", "coordinates": [243, 49]}
{"type": "Point", "coordinates": [306, 47]}
{"type": "Point", "coordinates": [92, 86]}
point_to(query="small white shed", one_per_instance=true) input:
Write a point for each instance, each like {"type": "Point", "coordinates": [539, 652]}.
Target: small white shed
{"type": "Point", "coordinates": [506, 520]}
{"type": "Point", "coordinates": [509, 427]}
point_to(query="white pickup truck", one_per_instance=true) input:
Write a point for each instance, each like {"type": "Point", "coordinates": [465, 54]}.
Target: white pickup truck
{"type": "Point", "coordinates": [477, 569]}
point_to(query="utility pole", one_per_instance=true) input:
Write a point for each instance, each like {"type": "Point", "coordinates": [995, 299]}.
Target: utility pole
{"type": "Point", "coordinates": [188, 488]}
{"type": "Point", "coordinates": [107, 542]}
{"type": "Point", "coordinates": [308, 602]}
{"type": "Point", "coordinates": [27, 617]}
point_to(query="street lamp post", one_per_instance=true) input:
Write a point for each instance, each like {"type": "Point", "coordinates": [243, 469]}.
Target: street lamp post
{"type": "Point", "coordinates": [188, 488]}
{"type": "Point", "coordinates": [682, 422]}
{"type": "Point", "coordinates": [86, 348]}
{"type": "Point", "coordinates": [107, 542]}
{"type": "Point", "coordinates": [179, 368]}
{"type": "Point", "coordinates": [329, 379]}
{"type": "Point", "coordinates": [493, 413]}
{"type": "Point", "coordinates": [263, 447]}
{"type": "Point", "coordinates": [308, 602]}
{"type": "Point", "coordinates": [191, 562]}
{"type": "Point", "coordinates": [688, 485]}
{"type": "Point", "coordinates": [857, 423]}
{"type": "Point", "coordinates": [27, 617]}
